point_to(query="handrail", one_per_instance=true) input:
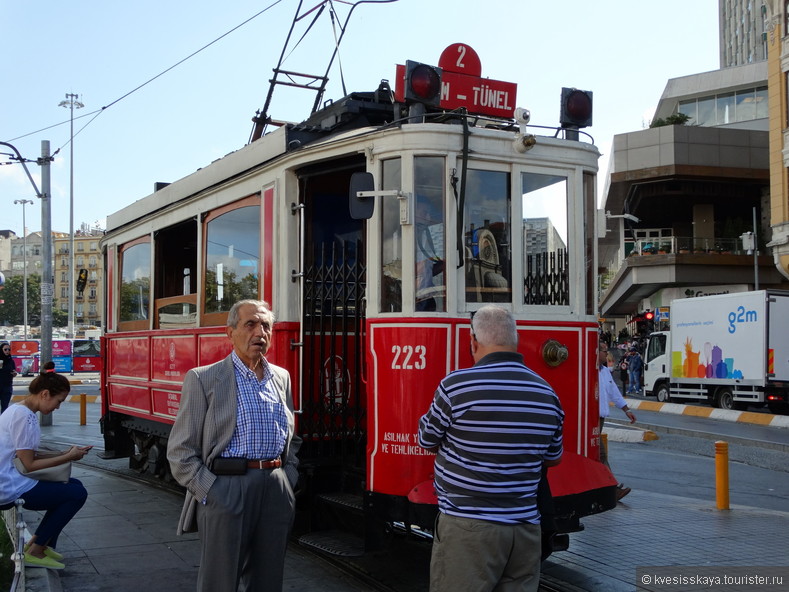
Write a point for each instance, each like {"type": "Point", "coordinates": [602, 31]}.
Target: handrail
{"type": "Point", "coordinates": [685, 244]}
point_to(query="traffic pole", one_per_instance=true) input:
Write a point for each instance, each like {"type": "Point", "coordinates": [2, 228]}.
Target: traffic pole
{"type": "Point", "coordinates": [46, 276]}
{"type": "Point", "coordinates": [722, 474]}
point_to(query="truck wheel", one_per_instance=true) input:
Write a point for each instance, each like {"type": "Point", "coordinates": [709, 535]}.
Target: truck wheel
{"type": "Point", "coordinates": [724, 399]}
{"type": "Point", "coordinates": [662, 393]}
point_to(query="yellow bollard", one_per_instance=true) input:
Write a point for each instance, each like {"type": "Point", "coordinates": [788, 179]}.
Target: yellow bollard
{"type": "Point", "coordinates": [83, 409]}
{"type": "Point", "coordinates": [722, 474]}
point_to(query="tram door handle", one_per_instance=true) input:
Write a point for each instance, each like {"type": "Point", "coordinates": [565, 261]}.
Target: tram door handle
{"type": "Point", "coordinates": [363, 353]}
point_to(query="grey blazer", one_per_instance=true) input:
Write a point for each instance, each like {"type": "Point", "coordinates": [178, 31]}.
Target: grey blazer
{"type": "Point", "coordinates": [204, 426]}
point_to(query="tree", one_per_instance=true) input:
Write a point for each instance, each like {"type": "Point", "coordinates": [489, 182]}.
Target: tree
{"type": "Point", "coordinates": [673, 119]}
{"type": "Point", "coordinates": [12, 311]}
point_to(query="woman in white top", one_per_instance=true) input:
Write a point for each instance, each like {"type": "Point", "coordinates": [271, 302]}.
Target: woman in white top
{"type": "Point", "coordinates": [20, 435]}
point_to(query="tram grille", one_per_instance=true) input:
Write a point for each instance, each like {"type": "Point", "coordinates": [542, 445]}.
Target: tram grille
{"type": "Point", "coordinates": [334, 415]}
{"type": "Point", "coordinates": [547, 278]}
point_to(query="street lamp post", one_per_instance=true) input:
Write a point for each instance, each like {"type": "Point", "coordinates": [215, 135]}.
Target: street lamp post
{"type": "Point", "coordinates": [24, 260]}
{"type": "Point", "coordinates": [72, 102]}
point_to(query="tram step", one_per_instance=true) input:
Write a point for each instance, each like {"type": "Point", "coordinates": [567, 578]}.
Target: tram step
{"type": "Point", "coordinates": [334, 542]}
{"type": "Point", "coordinates": [348, 501]}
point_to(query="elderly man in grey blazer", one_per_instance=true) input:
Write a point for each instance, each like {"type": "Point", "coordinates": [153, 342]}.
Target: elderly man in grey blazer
{"type": "Point", "coordinates": [233, 448]}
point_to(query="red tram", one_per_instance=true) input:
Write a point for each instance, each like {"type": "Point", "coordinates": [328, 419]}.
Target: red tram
{"type": "Point", "coordinates": [373, 228]}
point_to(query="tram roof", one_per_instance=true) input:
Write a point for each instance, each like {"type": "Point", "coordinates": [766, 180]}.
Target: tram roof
{"type": "Point", "coordinates": [355, 114]}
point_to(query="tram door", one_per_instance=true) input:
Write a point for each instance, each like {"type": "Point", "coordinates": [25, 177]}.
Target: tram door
{"type": "Point", "coordinates": [333, 419]}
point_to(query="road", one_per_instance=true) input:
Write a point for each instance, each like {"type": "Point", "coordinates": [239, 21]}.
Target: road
{"type": "Point", "coordinates": [682, 461]}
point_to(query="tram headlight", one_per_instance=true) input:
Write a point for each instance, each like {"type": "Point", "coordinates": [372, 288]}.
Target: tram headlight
{"type": "Point", "coordinates": [524, 142]}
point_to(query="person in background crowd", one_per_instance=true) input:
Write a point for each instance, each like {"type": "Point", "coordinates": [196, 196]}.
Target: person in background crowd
{"type": "Point", "coordinates": [610, 395]}
{"type": "Point", "coordinates": [7, 374]}
{"type": "Point", "coordinates": [623, 365]}
{"type": "Point", "coordinates": [49, 367]}
{"type": "Point", "coordinates": [634, 366]}
{"type": "Point", "coordinates": [20, 435]}
{"type": "Point", "coordinates": [233, 448]}
{"type": "Point", "coordinates": [494, 427]}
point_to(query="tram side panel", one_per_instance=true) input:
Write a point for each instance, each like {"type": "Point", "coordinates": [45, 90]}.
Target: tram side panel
{"type": "Point", "coordinates": [409, 358]}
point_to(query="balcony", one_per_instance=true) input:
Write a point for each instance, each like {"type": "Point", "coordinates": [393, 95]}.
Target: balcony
{"type": "Point", "coordinates": [684, 245]}
{"type": "Point", "coordinates": [654, 265]}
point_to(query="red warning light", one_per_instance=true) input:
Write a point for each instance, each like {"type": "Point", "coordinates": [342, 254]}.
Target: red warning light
{"type": "Point", "coordinates": [422, 83]}
{"type": "Point", "coordinates": [576, 108]}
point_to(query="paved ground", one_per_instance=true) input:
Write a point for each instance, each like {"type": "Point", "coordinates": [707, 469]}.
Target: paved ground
{"type": "Point", "coordinates": [124, 539]}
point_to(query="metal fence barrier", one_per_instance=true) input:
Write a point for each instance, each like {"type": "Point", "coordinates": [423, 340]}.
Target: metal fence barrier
{"type": "Point", "coordinates": [16, 527]}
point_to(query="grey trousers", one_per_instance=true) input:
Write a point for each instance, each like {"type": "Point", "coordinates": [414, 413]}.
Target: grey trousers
{"type": "Point", "coordinates": [244, 527]}
{"type": "Point", "coordinates": [480, 556]}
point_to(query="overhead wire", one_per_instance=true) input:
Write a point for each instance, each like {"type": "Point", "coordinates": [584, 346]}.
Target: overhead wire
{"type": "Point", "coordinates": [98, 112]}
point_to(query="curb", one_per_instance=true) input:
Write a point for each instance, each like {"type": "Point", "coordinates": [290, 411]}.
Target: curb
{"type": "Point", "coordinates": [630, 434]}
{"type": "Point", "coordinates": [765, 419]}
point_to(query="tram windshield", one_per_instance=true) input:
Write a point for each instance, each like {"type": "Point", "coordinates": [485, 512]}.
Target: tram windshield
{"type": "Point", "coordinates": [545, 248]}
{"type": "Point", "coordinates": [429, 231]}
{"type": "Point", "coordinates": [486, 223]}
{"type": "Point", "coordinates": [392, 257]}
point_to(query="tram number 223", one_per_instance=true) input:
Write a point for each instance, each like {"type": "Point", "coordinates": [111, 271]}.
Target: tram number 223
{"type": "Point", "coordinates": [409, 357]}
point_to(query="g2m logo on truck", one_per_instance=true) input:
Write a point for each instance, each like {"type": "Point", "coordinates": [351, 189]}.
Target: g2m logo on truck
{"type": "Point", "coordinates": [741, 316]}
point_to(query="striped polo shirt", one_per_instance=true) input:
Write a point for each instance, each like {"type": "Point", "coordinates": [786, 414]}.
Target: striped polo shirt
{"type": "Point", "coordinates": [495, 423]}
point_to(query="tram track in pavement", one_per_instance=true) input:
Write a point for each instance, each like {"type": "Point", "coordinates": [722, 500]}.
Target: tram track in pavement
{"type": "Point", "coordinates": [387, 571]}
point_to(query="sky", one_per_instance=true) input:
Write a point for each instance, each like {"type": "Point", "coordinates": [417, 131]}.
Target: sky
{"type": "Point", "coordinates": [154, 114]}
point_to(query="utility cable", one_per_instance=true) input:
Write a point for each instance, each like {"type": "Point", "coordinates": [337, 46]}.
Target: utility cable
{"type": "Point", "coordinates": [98, 112]}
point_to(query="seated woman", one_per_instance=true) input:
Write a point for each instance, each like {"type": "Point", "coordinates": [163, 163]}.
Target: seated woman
{"type": "Point", "coordinates": [20, 435]}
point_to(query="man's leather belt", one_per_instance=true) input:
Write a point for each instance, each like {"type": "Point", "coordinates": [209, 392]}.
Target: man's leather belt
{"type": "Point", "coordinates": [239, 465]}
{"type": "Point", "coordinates": [274, 463]}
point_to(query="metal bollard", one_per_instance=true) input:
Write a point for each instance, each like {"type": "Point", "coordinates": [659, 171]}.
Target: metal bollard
{"type": "Point", "coordinates": [722, 474]}
{"type": "Point", "coordinates": [83, 409]}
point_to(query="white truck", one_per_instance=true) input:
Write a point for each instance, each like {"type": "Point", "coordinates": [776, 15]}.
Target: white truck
{"type": "Point", "coordinates": [729, 349]}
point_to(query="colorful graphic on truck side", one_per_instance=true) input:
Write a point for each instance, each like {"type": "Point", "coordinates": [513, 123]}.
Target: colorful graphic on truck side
{"type": "Point", "coordinates": [713, 364]}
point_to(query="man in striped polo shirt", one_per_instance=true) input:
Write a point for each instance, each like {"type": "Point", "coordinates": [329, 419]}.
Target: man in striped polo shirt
{"type": "Point", "coordinates": [493, 427]}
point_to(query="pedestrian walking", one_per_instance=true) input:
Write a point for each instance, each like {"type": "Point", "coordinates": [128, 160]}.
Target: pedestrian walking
{"type": "Point", "coordinates": [609, 395]}
{"type": "Point", "coordinates": [635, 365]}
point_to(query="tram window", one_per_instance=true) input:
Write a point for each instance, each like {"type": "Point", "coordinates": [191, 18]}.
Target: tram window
{"type": "Point", "coordinates": [392, 238]}
{"type": "Point", "coordinates": [545, 250]}
{"type": "Point", "coordinates": [486, 237]}
{"type": "Point", "coordinates": [135, 282]}
{"type": "Point", "coordinates": [232, 258]}
{"type": "Point", "coordinates": [429, 232]}
{"type": "Point", "coordinates": [175, 285]}
{"type": "Point", "coordinates": [176, 257]}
